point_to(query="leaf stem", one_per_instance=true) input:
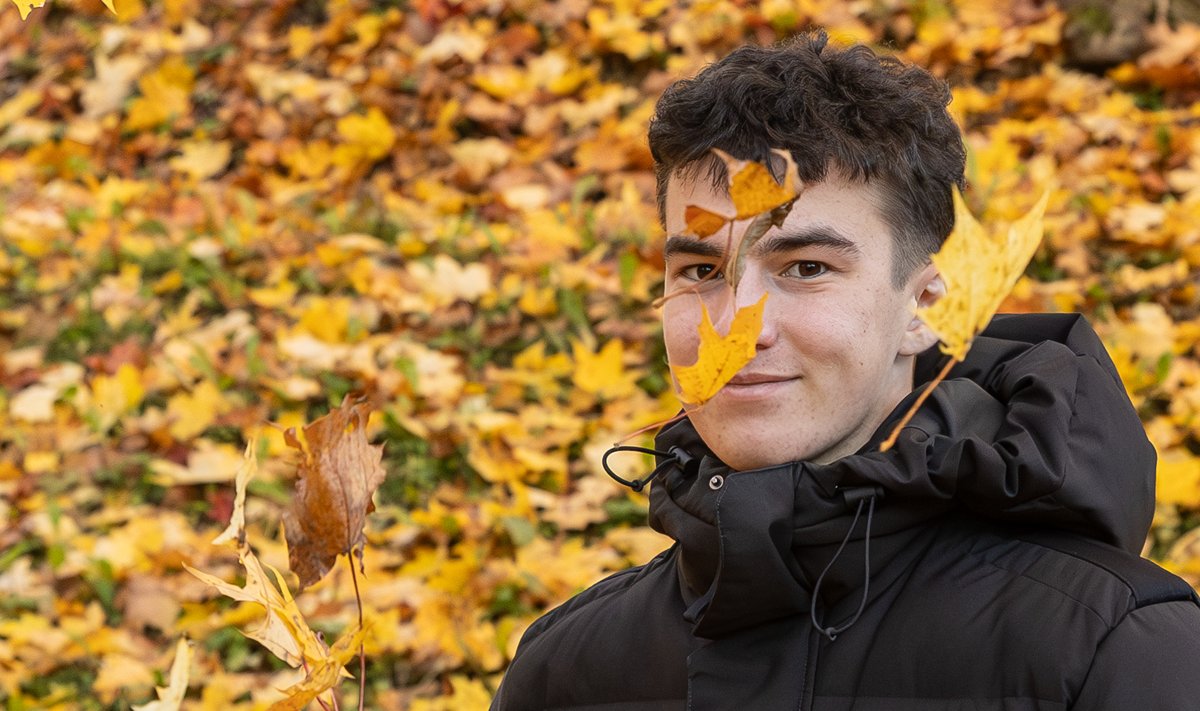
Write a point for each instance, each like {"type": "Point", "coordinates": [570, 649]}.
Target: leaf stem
{"type": "Point", "coordinates": [304, 666]}
{"type": "Point", "coordinates": [891, 440]}
{"type": "Point", "coordinates": [362, 647]}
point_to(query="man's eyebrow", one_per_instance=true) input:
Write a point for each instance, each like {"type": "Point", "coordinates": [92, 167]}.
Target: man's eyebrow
{"type": "Point", "coordinates": [683, 244]}
{"type": "Point", "coordinates": [813, 236]}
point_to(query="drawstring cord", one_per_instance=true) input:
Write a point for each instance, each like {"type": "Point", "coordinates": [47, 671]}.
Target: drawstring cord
{"type": "Point", "coordinates": [863, 496]}
{"type": "Point", "coordinates": [672, 456]}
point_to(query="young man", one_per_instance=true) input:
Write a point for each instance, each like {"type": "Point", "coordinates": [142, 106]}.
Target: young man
{"type": "Point", "coordinates": [987, 561]}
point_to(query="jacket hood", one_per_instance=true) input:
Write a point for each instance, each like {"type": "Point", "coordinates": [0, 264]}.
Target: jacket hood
{"type": "Point", "coordinates": [1033, 428]}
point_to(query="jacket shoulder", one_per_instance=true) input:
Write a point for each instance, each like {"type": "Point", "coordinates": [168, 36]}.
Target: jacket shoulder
{"type": "Point", "coordinates": [608, 586]}
{"type": "Point", "coordinates": [1147, 583]}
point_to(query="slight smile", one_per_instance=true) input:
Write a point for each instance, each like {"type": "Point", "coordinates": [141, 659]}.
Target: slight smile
{"type": "Point", "coordinates": [755, 386]}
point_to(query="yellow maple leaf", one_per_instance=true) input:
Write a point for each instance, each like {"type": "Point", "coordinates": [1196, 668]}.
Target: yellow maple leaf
{"type": "Point", "coordinates": [324, 674]}
{"type": "Point", "coordinates": [284, 631]}
{"type": "Point", "coordinates": [170, 697]}
{"type": "Point", "coordinates": [192, 413]}
{"type": "Point", "coordinates": [719, 358]}
{"type": "Point", "coordinates": [979, 270]}
{"type": "Point", "coordinates": [752, 187]}
{"type": "Point", "coordinates": [26, 6]}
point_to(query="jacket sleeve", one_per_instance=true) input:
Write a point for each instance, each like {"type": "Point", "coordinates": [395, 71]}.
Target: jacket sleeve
{"type": "Point", "coordinates": [1151, 660]}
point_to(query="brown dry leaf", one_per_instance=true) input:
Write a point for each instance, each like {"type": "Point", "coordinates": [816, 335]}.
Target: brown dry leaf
{"type": "Point", "coordinates": [719, 358]}
{"type": "Point", "coordinates": [324, 674]}
{"type": "Point", "coordinates": [338, 475]}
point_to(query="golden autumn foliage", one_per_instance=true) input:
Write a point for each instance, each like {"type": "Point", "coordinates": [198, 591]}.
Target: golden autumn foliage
{"type": "Point", "coordinates": [215, 216]}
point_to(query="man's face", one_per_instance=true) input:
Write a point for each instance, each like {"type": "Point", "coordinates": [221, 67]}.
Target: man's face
{"type": "Point", "coordinates": [835, 353]}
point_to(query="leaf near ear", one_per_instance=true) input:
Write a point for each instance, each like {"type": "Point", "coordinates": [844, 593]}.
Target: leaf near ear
{"type": "Point", "coordinates": [339, 473]}
{"type": "Point", "coordinates": [979, 270]}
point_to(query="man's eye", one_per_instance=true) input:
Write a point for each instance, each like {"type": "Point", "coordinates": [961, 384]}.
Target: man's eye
{"type": "Point", "coordinates": [806, 270]}
{"type": "Point", "coordinates": [696, 272]}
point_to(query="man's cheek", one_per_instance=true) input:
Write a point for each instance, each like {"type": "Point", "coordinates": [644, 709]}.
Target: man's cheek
{"type": "Point", "coordinates": [682, 341]}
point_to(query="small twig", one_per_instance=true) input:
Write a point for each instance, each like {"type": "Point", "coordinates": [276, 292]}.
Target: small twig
{"type": "Point", "coordinates": [362, 647]}
{"type": "Point", "coordinates": [721, 268]}
{"type": "Point", "coordinates": [891, 440]}
{"type": "Point", "coordinates": [653, 425]}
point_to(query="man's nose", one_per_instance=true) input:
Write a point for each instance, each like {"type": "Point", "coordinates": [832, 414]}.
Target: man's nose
{"type": "Point", "coordinates": [750, 289]}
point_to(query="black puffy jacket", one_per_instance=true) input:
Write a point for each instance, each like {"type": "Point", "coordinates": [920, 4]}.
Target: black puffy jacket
{"type": "Point", "coordinates": [988, 561]}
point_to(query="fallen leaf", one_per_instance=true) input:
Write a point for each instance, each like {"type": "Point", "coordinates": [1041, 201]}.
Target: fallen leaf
{"type": "Point", "coordinates": [719, 358]}
{"type": "Point", "coordinates": [171, 697]}
{"type": "Point", "coordinates": [339, 472]}
{"type": "Point", "coordinates": [236, 530]}
{"type": "Point", "coordinates": [602, 373]}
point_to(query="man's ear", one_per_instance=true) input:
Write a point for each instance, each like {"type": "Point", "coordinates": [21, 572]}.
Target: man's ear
{"type": "Point", "coordinates": [926, 287]}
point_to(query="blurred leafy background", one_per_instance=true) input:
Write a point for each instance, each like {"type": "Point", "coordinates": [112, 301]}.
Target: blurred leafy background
{"type": "Point", "coordinates": [215, 215]}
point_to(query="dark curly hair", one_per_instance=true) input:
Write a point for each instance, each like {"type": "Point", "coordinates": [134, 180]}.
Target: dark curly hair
{"type": "Point", "coordinates": [871, 117]}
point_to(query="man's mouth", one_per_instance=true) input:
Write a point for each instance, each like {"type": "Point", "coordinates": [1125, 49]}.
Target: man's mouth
{"type": "Point", "coordinates": [744, 379]}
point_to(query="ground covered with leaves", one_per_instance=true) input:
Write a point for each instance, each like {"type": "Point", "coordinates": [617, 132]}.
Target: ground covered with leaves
{"type": "Point", "coordinates": [221, 215]}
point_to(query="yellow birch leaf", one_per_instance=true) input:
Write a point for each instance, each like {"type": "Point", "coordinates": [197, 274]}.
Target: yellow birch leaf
{"type": "Point", "coordinates": [324, 674]}
{"type": "Point", "coordinates": [752, 187]}
{"type": "Point", "coordinates": [979, 271]}
{"type": "Point", "coordinates": [171, 697]}
{"type": "Point", "coordinates": [236, 530]}
{"type": "Point", "coordinates": [720, 357]}
{"type": "Point", "coordinates": [701, 222]}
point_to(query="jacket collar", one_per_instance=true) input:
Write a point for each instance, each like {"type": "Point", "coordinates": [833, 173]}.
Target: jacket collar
{"type": "Point", "coordinates": [754, 543]}
{"type": "Point", "coordinates": [1034, 428]}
